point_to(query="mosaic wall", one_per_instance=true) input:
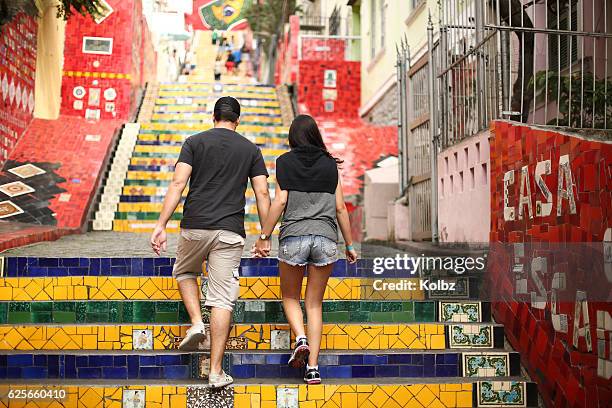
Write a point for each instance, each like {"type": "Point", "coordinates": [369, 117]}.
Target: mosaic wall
{"type": "Point", "coordinates": [54, 185]}
{"type": "Point", "coordinates": [554, 188]}
{"type": "Point", "coordinates": [17, 76]}
{"type": "Point", "coordinates": [329, 89]}
{"type": "Point", "coordinates": [103, 62]}
{"type": "Point", "coordinates": [316, 49]}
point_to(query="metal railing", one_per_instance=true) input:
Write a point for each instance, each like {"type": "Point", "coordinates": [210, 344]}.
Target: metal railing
{"type": "Point", "coordinates": [542, 62]}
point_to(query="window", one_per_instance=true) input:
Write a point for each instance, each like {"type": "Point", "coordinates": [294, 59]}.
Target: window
{"type": "Point", "coordinates": [563, 49]}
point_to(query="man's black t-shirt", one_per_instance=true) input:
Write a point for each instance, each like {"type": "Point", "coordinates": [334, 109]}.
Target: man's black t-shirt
{"type": "Point", "coordinates": [222, 162]}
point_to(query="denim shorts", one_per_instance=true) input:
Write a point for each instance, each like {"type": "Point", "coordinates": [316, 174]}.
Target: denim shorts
{"type": "Point", "coordinates": [307, 249]}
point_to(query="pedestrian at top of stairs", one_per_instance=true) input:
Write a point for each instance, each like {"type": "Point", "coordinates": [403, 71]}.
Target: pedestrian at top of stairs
{"type": "Point", "coordinates": [217, 163]}
{"type": "Point", "coordinates": [309, 197]}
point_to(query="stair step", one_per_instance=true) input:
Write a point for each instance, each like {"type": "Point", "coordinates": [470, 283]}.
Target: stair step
{"type": "Point", "coordinates": [173, 312]}
{"type": "Point", "coordinates": [261, 336]}
{"type": "Point", "coordinates": [251, 365]}
{"type": "Point", "coordinates": [284, 393]}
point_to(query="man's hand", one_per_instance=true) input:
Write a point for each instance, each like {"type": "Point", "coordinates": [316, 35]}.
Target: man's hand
{"type": "Point", "coordinates": [261, 249]}
{"type": "Point", "coordinates": [159, 240]}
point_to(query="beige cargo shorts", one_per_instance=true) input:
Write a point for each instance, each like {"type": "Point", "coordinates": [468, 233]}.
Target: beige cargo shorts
{"type": "Point", "coordinates": [222, 250]}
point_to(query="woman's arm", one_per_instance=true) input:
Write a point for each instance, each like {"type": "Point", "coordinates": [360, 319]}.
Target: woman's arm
{"type": "Point", "coordinates": [344, 223]}
{"type": "Point", "coordinates": [262, 247]}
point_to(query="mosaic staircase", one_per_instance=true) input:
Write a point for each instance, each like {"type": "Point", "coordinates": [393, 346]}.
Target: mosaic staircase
{"type": "Point", "coordinates": [104, 332]}
{"type": "Point", "coordinates": [147, 151]}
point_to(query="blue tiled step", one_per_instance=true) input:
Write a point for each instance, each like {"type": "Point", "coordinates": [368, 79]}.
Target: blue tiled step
{"type": "Point", "coordinates": [249, 365]}
{"type": "Point", "coordinates": [162, 266]}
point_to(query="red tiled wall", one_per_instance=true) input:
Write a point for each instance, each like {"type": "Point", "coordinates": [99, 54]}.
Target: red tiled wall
{"type": "Point", "coordinates": [311, 86]}
{"type": "Point", "coordinates": [64, 142]}
{"type": "Point", "coordinates": [323, 49]}
{"type": "Point", "coordinates": [121, 70]}
{"type": "Point", "coordinates": [567, 376]}
{"type": "Point", "coordinates": [17, 72]}
{"type": "Point", "coordinates": [287, 57]}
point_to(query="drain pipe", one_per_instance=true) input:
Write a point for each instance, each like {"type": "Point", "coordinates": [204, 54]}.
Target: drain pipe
{"type": "Point", "coordinates": [432, 133]}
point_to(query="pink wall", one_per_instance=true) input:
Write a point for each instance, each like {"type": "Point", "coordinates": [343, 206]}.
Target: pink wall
{"type": "Point", "coordinates": [463, 183]}
{"type": "Point", "coordinates": [571, 369]}
{"type": "Point", "coordinates": [17, 77]}
{"type": "Point", "coordinates": [116, 76]}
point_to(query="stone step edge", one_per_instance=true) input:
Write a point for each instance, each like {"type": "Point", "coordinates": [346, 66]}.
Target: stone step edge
{"type": "Point", "coordinates": [279, 382]}
{"type": "Point", "coordinates": [255, 351]}
{"type": "Point", "coordinates": [374, 325]}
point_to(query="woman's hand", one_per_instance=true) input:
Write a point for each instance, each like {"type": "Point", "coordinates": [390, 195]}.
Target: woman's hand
{"type": "Point", "coordinates": [261, 249]}
{"type": "Point", "coordinates": [351, 256]}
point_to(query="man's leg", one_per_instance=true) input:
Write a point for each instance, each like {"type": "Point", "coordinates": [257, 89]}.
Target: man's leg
{"type": "Point", "coordinates": [220, 320]}
{"type": "Point", "coordinates": [191, 251]}
{"type": "Point", "coordinates": [190, 293]}
{"type": "Point", "coordinates": [223, 290]}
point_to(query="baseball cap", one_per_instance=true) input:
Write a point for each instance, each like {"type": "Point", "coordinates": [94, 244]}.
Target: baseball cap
{"type": "Point", "coordinates": [229, 107]}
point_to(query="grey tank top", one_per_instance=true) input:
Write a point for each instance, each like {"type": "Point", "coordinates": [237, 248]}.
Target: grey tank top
{"type": "Point", "coordinates": [309, 214]}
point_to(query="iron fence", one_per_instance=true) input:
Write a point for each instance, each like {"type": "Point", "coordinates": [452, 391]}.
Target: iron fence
{"type": "Point", "coordinates": [542, 62]}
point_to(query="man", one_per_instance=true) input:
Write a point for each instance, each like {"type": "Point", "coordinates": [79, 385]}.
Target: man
{"type": "Point", "coordinates": [218, 163]}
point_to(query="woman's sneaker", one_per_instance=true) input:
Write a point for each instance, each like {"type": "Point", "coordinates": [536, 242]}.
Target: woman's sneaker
{"type": "Point", "coordinates": [219, 380]}
{"type": "Point", "coordinates": [195, 335]}
{"type": "Point", "coordinates": [312, 376]}
{"type": "Point", "coordinates": [300, 354]}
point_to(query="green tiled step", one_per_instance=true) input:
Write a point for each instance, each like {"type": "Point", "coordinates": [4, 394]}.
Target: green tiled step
{"type": "Point", "coordinates": [70, 312]}
{"type": "Point", "coordinates": [153, 216]}
{"type": "Point", "coordinates": [188, 133]}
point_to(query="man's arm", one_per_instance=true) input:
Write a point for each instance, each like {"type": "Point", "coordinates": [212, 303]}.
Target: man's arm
{"type": "Point", "coordinates": [182, 172]}
{"type": "Point", "coordinates": [262, 195]}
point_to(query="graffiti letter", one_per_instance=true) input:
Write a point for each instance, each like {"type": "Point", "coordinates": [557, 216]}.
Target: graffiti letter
{"type": "Point", "coordinates": [508, 211]}
{"type": "Point", "coordinates": [525, 198]}
{"type": "Point", "coordinates": [582, 306]}
{"type": "Point", "coordinates": [565, 173]}
{"type": "Point", "coordinates": [604, 326]}
{"type": "Point", "coordinates": [543, 209]}
{"type": "Point", "coordinates": [538, 269]}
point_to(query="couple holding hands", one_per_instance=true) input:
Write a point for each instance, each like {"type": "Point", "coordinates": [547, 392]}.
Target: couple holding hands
{"type": "Point", "coordinates": [217, 164]}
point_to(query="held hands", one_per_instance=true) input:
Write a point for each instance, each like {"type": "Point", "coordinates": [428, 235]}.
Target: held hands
{"type": "Point", "coordinates": [261, 248]}
{"type": "Point", "coordinates": [159, 240]}
{"type": "Point", "coordinates": [351, 255]}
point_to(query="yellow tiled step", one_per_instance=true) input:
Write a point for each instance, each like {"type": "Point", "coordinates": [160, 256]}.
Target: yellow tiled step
{"type": "Point", "coordinates": [161, 191]}
{"type": "Point", "coordinates": [177, 149]}
{"type": "Point", "coordinates": [254, 396]}
{"type": "Point", "coordinates": [200, 108]}
{"type": "Point", "coordinates": [210, 93]}
{"type": "Point", "coordinates": [207, 117]}
{"type": "Point", "coordinates": [156, 207]}
{"type": "Point", "coordinates": [412, 336]}
{"type": "Point", "coordinates": [179, 138]}
{"type": "Point", "coordinates": [202, 100]}
{"type": "Point", "coordinates": [193, 126]}
{"type": "Point", "coordinates": [163, 288]}
{"type": "Point", "coordinates": [251, 228]}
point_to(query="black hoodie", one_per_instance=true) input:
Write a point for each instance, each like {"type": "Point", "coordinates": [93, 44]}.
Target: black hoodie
{"type": "Point", "coordinates": [308, 169]}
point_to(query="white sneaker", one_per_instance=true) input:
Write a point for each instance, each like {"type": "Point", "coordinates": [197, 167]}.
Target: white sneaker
{"type": "Point", "coordinates": [219, 380]}
{"type": "Point", "coordinates": [195, 335]}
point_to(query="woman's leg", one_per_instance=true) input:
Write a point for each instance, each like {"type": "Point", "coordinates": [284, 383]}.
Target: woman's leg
{"type": "Point", "coordinates": [315, 289]}
{"type": "Point", "coordinates": [291, 287]}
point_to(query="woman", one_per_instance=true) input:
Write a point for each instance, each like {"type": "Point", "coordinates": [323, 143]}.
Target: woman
{"type": "Point", "coordinates": [309, 196]}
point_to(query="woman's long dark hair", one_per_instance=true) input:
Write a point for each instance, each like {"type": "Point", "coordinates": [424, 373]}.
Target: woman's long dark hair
{"type": "Point", "coordinates": [305, 132]}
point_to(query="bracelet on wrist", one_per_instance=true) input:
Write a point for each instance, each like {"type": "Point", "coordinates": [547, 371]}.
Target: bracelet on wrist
{"type": "Point", "coordinates": [350, 248]}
